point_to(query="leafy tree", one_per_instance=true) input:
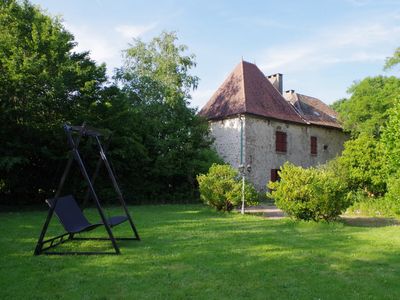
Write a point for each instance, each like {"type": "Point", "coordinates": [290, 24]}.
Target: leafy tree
{"type": "Point", "coordinates": [43, 84]}
{"type": "Point", "coordinates": [364, 162]}
{"type": "Point", "coordinates": [159, 71]}
{"type": "Point", "coordinates": [156, 78]}
{"type": "Point", "coordinates": [391, 138]}
{"type": "Point", "coordinates": [159, 144]}
{"type": "Point", "coordinates": [337, 104]}
{"type": "Point", "coordinates": [370, 161]}
{"type": "Point", "coordinates": [393, 60]}
{"type": "Point", "coordinates": [392, 197]}
{"type": "Point", "coordinates": [367, 108]}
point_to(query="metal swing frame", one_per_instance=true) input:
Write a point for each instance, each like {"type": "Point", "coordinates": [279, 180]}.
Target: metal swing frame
{"type": "Point", "coordinates": [45, 244]}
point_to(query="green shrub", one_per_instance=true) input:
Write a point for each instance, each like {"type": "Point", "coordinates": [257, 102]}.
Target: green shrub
{"type": "Point", "coordinates": [367, 204]}
{"type": "Point", "coordinates": [310, 194]}
{"type": "Point", "coordinates": [365, 164]}
{"type": "Point", "coordinates": [392, 197]}
{"type": "Point", "coordinates": [221, 188]}
{"type": "Point", "coordinates": [371, 207]}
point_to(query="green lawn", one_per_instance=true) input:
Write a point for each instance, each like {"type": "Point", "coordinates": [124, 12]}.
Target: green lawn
{"type": "Point", "coordinates": [190, 251]}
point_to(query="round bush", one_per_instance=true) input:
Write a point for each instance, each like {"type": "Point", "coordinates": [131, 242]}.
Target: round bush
{"type": "Point", "coordinates": [221, 188]}
{"type": "Point", "coordinates": [310, 194]}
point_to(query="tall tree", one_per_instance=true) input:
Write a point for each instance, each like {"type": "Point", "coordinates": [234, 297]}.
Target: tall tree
{"type": "Point", "coordinates": [364, 164]}
{"type": "Point", "coordinates": [156, 76]}
{"type": "Point", "coordinates": [391, 138]}
{"type": "Point", "coordinates": [370, 158]}
{"type": "Point", "coordinates": [43, 83]}
{"type": "Point", "coordinates": [368, 107]}
{"type": "Point", "coordinates": [159, 70]}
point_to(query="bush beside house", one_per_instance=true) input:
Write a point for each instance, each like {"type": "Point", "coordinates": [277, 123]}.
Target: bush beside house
{"type": "Point", "coordinates": [221, 188]}
{"type": "Point", "coordinates": [310, 194]}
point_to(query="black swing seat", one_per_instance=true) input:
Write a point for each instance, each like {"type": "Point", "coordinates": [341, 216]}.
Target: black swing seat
{"type": "Point", "coordinates": [72, 218]}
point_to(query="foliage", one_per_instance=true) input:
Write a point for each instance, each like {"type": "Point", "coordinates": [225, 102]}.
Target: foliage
{"type": "Point", "coordinates": [393, 60]}
{"type": "Point", "coordinates": [364, 162]}
{"type": "Point", "coordinates": [310, 194]}
{"type": "Point", "coordinates": [367, 108]}
{"type": "Point", "coordinates": [222, 188]}
{"type": "Point", "coordinates": [158, 143]}
{"type": "Point", "coordinates": [159, 70]}
{"type": "Point", "coordinates": [382, 206]}
{"type": "Point", "coordinates": [393, 194]}
{"type": "Point", "coordinates": [391, 146]}
{"type": "Point", "coordinates": [370, 160]}
{"type": "Point", "coordinates": [391, 138]}
{"type": "Point", "coordinates": [43, 84]}
{"type": "Point", "coordinates": [156, 79]}
{"type": "Point", "coordinates": [336, 106]}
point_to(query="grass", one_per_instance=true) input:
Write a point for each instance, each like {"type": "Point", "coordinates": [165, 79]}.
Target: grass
{"type": "Point", "coordinates": [192, 252]}
{"type": "Point", "coordinates": [376, 207]}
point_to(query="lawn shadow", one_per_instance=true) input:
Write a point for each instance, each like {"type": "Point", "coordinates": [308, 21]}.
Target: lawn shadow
{"type": "Point", "coordinates": [369, 221]}
{"type": "Point", "coordinates": [194, 252]}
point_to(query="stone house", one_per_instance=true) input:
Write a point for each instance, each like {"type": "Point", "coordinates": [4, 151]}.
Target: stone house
{"type": "Point", "coordinates": [255, 123]}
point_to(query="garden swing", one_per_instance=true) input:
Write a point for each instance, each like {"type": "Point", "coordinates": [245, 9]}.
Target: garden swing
{"type": "Point", "coordinates": [66, 208]}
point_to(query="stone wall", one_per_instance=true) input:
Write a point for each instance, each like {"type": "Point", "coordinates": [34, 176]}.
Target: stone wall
{"type": "Point", "coordinates": [259, 145]}
{"type": "Point", "coordinates": [227, 139]}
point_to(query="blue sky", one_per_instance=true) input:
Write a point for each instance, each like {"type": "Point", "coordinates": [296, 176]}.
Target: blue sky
{"type": "Point", "coordinates": [321, 47]}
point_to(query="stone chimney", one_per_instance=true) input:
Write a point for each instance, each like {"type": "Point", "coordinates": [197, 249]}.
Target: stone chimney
{"type": "Point", "coordinates": [289, 96]}
{"type": "Point", "coordinates": [276, 80]}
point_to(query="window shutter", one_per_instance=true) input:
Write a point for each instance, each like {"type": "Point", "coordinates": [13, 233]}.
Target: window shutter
{"type": "Point", "coordinates": [280, 141]}
{"type": "Point", "coordinates": [314, 148]}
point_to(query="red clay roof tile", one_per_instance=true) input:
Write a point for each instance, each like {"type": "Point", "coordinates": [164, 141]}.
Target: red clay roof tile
{"type": "Point", "coordinates": [247, 90]}
{"type": "Point", "coordinates": [313, 110]}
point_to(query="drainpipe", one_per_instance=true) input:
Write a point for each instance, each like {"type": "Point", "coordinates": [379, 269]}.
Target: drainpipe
{"type": "Point", "coordinates": [242, 211]}
{"type": "Point", "coordinates": [241, 166]}
{"type": "Point", "coordinates": [241, 139]}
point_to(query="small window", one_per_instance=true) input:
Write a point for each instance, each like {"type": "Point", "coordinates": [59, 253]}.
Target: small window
{"type": "Point", "coordinates": [313, 143]}
{"type": "Point", "coordinates": [280, 141]}
{"type": "Point", "coordinates": [275, 175]}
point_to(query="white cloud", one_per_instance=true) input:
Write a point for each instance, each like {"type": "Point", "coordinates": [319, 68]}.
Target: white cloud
{"type": "Point", "coordinates": [342, 44]}
{"type": "Point", "coordinates": [98, 43]}
{"type": "Point", "coordinates": [103, 44]}
{"type": "Point", "coordinates": [362, 34]}
{"type": "Point", "coordinates": [134, 31]}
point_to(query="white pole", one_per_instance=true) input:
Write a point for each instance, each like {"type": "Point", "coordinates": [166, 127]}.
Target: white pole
{"type": "Point", "coordinates": [242, 193]}
{"type": "Point", "coordinates": [241, 167]}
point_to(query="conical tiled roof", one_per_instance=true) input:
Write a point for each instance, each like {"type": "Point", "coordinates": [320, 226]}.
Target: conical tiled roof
{"type": "Point", "coordinates": [247, 90]}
